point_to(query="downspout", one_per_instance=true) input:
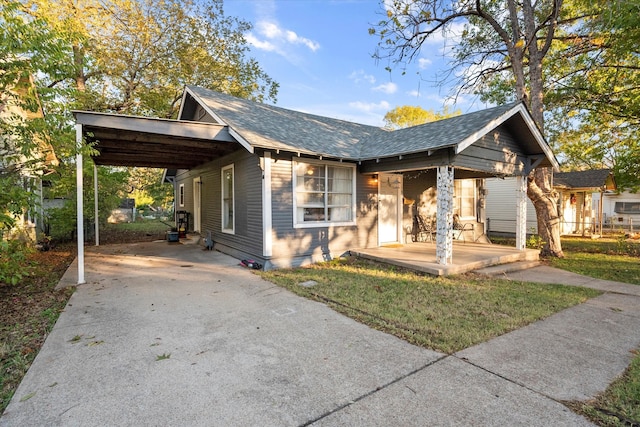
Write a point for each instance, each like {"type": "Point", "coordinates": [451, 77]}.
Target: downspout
{"type": "Point", "coordinates": [79, 205]}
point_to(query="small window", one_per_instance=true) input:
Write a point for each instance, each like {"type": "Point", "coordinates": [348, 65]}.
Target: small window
{"type": "Point", "coordinates": [324, 194]}
{"type": "Point", "coordinates": [627, 208]}
{"type": "Point", "coordinates": [465, 198]}
{"type": "Point", "coordinates": [228, 200]}
{"type": "Point", "coordinates": [181, 195]}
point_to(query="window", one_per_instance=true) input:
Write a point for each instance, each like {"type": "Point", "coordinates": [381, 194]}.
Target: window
{"type": "Point", "coordinates": [465, 198]}
{"type": "Point", "coordinates": [324, 194]}
{"type": "Point", "coordinates": [228, 200]}
{"type": "Point", "coordinates": [181, 195]}
{"type": "Point", "coordinates": [627, 208]}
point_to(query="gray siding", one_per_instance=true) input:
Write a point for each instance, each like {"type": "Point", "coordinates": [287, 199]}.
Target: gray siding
{"type": "Point", "coordinates": [247, 239]}
{"type": "Point", "coordinates": [298, 246]}
{"type": "Point", "coordinates": [497, 152]}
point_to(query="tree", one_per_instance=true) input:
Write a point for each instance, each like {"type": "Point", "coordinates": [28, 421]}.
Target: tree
{"type": "Point", "coordinates": [27, 47]}
{"type": "Point", "coordinates": [408, 115]}
{"type": "Point", "coordinates": [502, 41]}
{"type": "Point", "coordinates": [595, 101]}
{"type": "Point", "coordinates": [135, 57]}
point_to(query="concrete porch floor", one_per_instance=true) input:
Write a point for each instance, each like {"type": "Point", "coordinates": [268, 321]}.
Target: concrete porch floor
{"type": "Point", "coordinates": [421, 256]}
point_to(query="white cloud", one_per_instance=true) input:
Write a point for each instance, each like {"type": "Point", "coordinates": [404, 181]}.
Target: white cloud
{"type": "Point", "coordinates": [272, 38]}
{"type": "Point", "coordinates": [360, 75]}
{"type": "Point", "coordinates": [296, 39]}
{"type": "Point", "coordinates": [370, 106]}
{"type": "Point", "coordinates": [388, 88]}
{"type": "Point", "coordinates": [424, 63]}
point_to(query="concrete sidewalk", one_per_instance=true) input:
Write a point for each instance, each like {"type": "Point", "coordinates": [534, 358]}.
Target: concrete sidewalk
{"type": "Point", "coordinates": [172, 335]}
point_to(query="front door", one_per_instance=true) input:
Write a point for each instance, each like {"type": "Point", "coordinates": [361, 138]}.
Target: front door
{"type": "Point", "coordinates": [197, 203]}
{"type": "Point", "coordinates": [389, 208]}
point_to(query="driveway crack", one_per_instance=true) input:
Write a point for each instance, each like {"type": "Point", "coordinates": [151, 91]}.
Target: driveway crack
{"type": "Point", "coordinates": [372, 392]}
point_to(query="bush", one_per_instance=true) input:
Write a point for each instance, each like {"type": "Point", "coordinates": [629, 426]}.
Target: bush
{"type": "Point", "coordinates": [13, 261]}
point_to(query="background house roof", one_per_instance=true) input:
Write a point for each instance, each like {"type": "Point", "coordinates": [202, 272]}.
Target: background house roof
{"type": "Point", "coordinates": [589, 179]}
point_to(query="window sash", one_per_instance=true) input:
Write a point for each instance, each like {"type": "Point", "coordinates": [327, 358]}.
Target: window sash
{"type": "Point", "coordinates": [465, 198]}
{"type": "Point", "coordinates": [325, 193]}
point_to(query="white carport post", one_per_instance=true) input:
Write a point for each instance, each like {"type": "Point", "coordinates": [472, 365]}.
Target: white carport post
{"type": "Point", "coordinates": [95, 203]}
{"type": "Point", "coordinates": [444, 213]}
{"type": "Point", "coordinates": [521, 212]}
{"type": "Point", "coordinates": [79, 205]}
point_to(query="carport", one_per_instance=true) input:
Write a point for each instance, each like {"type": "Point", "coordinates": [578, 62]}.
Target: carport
{"type": "Point", "coordinates": [144, 142]}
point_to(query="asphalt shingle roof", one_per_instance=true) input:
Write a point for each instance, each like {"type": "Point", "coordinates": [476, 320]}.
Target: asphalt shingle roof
{"type": "Point", "coordinates": [595, 178]}
{"type": "Point", "coordinates": [271, 127]}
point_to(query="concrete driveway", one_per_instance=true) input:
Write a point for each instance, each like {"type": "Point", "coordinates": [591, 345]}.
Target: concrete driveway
{"type": "Point", "coordinates": [164, 335]}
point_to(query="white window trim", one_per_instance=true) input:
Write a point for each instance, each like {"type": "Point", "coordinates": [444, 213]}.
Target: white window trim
{"type": "Point", "coordinates": [181, 195]}
{"type": "Point", "coordinates": [231, 230]}
{"type": "Point", "coordinates": [294, 181]}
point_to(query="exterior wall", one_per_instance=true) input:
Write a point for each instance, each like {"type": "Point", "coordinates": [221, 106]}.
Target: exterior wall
{"type": "Point", "coordinates": [246, 241]}
{"type": "Point", "coordinates": [497, 152]}
{"type": "Point", "coordinates": [500, 207]}
{"type": "Point", "coordinates": [299, 246]}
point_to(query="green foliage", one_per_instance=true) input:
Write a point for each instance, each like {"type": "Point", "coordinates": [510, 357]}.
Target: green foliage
{"type": "Point", "coordinates": [407, 116]}
{"type": "Point", "coordinates": [13, 261]}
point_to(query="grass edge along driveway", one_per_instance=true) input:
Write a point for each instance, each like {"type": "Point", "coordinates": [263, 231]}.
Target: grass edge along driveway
{"type": "Point", "coordinates": [445, 314]}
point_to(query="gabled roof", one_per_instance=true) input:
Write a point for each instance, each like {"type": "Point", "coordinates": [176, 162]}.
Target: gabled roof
{"type": "Point", "coordinates": [257, 125]}
{"type": "Point", "coordinates": [590, 179]}
{"type": "Point", "coordinates": [270, 127]}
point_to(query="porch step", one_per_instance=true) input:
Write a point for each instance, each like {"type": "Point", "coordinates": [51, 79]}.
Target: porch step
{"type": "Point", "coordinates": [496, 270]}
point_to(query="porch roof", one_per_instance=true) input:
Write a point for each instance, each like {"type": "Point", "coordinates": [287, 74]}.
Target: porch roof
{"type": "Point", "coordinates": [595, 180]}
{"type": "Point", "coordinates": [150, 142]}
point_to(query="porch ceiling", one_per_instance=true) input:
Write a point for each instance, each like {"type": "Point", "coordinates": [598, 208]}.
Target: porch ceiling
{"type": "Point", "coordinates": [158, 143]}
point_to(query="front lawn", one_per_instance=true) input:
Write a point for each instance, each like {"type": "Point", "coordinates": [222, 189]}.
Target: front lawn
{"type": "Point", "coordinates": [443, 314]}
{"type": "Point", "coordinates": [619, 268]}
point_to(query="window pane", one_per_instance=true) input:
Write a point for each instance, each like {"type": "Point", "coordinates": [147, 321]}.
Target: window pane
{"type": "Point", "coordinates": [314, 199]}
{"type": "Point", "coordinates": [313, 214]}
{"type": "Point", "coordinates": [340, 199]}
{"type": "Point", "coordinates": [340, 214]}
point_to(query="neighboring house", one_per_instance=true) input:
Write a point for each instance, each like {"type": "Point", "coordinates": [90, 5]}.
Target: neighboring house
{"type": "Point", "coordinates": [29, 224]}
{"type": "Point", "coordinates": [287, 188]}
{"type": "Point", "coordinates": [621, 210]}
{"type": "Point", "coordinates": [578, 193]}
{"type": "Point", "coordinates": [577, 210]}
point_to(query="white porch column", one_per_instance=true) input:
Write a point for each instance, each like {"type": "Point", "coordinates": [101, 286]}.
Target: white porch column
{"type": "Point", "coordinates": [444, 224]}
{"type": "Point", "coordinates": [95, 204]}
{"type": "Point", "coordinates": [521, 212]}
{"type": "Point", "coordinates": [79, 205]}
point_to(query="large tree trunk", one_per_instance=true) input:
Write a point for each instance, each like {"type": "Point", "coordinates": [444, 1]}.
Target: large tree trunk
{"type": "Point", "coordinates": [544, 200]}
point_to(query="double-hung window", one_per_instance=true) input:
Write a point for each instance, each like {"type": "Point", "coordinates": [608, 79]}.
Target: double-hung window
{"type": "Point", "coordinates": [324, 194]}
{"type": "Point", "coordinates": [228, 200]}
{"type": "Point", "coordinates": [465, 198]}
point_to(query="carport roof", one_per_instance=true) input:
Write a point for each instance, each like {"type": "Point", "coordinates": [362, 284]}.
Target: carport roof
{"type": "Point", "coordinates": [151, 142]}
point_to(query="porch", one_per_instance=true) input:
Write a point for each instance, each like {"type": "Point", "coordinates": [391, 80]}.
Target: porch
{"type": "Point", "coordinates": [421, 256]}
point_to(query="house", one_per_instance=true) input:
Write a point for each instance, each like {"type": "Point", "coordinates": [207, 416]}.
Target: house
{"type": "Point", "coordinates": [29, 169]}
{"type": "Point", "coordinates": [287, 188]}
{"type": "Point", "coordinates": [578, 206]}
{"type": "Point", "coordinates": [621, 210]}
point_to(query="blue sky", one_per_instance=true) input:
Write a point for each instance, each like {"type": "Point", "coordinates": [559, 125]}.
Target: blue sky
{"type": "Point", "coordinates": [320, 52]}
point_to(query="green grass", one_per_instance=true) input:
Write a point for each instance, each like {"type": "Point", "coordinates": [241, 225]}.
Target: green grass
{"type": "Point", "coordinates": [443, 314]}
{"type": "Point", "coordinates": [619, 268]}
{"type": "Point", "coordinates": [620, 404]}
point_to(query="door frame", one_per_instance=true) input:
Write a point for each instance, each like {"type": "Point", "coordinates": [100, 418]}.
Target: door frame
{"type": "Point", "coordinates": [387, 178]}
{"type": "Point", "coordinates": [197, 204]}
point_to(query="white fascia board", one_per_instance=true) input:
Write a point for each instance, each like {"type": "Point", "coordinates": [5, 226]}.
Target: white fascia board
{"type": "Point", "coordinates": [167, 127]}
{"type": "Point", "coordinates": [218, 119]}
{"type": "Point", "coordinates": [184, 98]}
